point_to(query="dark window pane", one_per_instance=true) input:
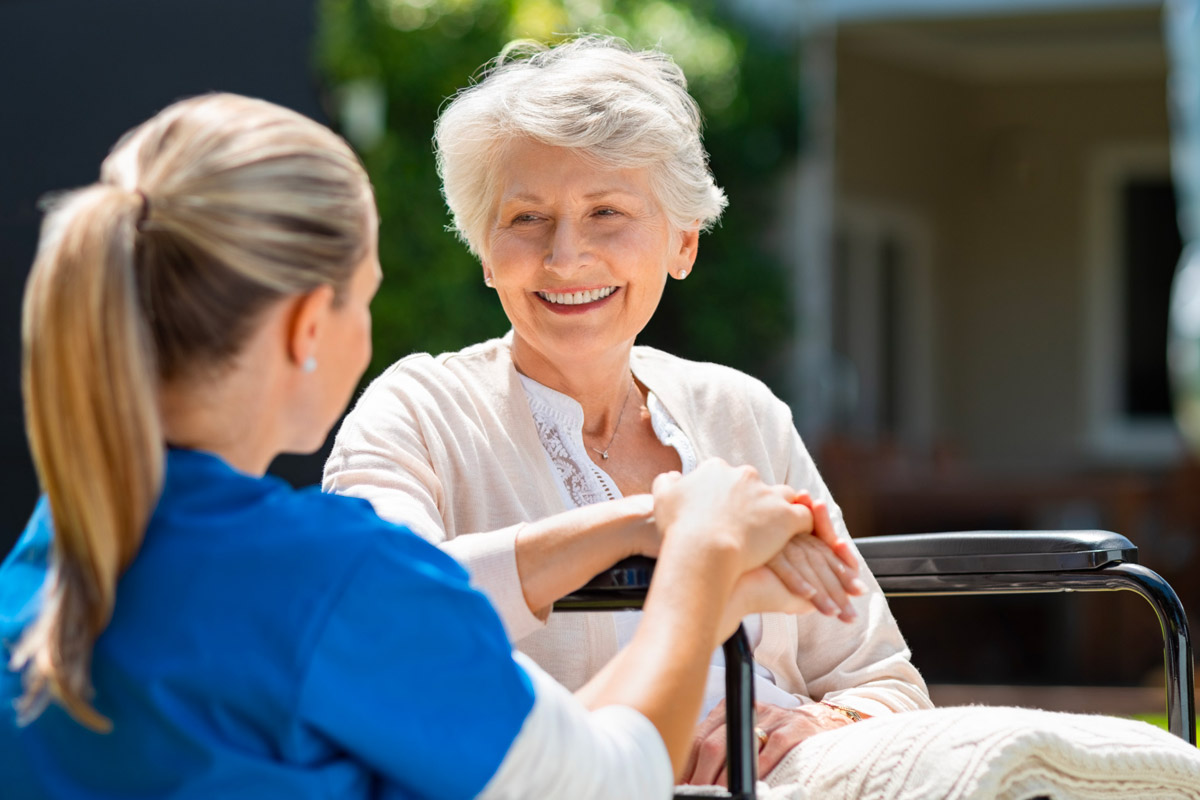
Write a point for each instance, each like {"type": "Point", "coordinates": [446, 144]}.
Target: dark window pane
{"type": "Point", "coordinates": [841, 294]}
{"type": "Point", "coordinates": [891, 270]}
{"type": "Point", "coordinates": [1152, 248]}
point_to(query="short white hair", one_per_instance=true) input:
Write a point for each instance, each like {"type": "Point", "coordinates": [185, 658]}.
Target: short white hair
{"type": "Point", "coordinates": [594, 94]}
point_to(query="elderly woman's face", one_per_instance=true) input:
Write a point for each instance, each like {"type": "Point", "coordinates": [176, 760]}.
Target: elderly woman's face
{"type": "Point", "coordinates": [578, 254]}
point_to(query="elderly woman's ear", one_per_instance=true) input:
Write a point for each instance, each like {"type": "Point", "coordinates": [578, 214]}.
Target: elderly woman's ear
{"type": "Point", "coordinates": [689, 246]}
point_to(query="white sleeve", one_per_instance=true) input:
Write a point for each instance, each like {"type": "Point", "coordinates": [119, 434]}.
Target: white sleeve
{"type": "Point", "coordinates": [864, 664]}
{"type": "Point", "coordinates": [564, 750]}
{"type": "Point", "coordinates": [382, 455]}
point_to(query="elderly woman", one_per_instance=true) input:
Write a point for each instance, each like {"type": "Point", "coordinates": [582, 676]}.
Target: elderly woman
{"type": "Point", "coordinates": [577, 176]}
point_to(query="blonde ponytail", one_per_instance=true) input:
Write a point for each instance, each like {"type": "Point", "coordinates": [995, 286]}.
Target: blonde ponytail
{"type": "Point", "coordinates": [92, 415]}
{"type": "Point", "coordinates": [204, 215]}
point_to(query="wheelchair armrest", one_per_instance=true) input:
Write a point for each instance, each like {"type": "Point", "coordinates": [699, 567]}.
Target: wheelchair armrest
{"type": "Point", "coordinates": [623, 585]}
{"type": "Point", "coordinates": [994, 551]}
{"type": "Point", "coordinates": [629, 573]}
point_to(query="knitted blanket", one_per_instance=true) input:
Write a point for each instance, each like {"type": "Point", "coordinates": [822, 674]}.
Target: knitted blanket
{"type": "Point", "coordinates": [988, 752]}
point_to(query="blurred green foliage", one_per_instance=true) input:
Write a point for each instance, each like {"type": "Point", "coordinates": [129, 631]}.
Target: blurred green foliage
{"type": "Point", "coordinates": [391, 64]}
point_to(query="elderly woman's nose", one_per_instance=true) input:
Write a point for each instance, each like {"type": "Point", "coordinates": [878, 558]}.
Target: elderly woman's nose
{"type": "Point", "coordinates": [568, 248]}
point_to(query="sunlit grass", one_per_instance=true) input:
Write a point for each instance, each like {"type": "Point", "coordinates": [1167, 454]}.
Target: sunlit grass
{"type": "Point", "coordinates": [1160, 721]}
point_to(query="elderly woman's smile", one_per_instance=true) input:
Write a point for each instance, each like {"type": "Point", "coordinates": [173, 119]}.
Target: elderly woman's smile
{"type": "Point", "coordinates": [575, 301]}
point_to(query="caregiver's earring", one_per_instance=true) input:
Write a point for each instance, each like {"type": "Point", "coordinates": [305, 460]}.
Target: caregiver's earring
{"type": "Point", "coordinates": [682, 274]}
{"type": "Point", "coordinates": [310, 365]}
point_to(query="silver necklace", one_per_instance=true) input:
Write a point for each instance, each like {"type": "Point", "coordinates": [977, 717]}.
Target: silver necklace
{"type": "Point", "coordinates": [604, 453]}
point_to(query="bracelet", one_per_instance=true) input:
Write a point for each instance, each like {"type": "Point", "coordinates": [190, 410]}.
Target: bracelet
{"type": "Point", "coordinates": [849, 713]}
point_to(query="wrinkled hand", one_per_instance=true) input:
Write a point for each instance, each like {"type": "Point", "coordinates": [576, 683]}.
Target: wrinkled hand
{"type": "Point", "coordinates": [785, 728]}
{"type": "Point", "coordinates": [718, 501]}
{"type": "Point", "coordinates": [820, 567]}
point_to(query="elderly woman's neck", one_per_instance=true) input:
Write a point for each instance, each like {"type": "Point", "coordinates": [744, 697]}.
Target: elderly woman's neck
{"type": "Point", "coordinates": [598, 383]}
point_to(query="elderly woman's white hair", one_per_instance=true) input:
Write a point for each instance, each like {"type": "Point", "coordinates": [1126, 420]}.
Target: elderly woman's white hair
{"type": "Point", "coordinates": [594, 94]}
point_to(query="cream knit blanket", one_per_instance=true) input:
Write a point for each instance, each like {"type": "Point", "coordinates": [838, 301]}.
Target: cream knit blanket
{"type": "Point", "coordinates": [988, 752]}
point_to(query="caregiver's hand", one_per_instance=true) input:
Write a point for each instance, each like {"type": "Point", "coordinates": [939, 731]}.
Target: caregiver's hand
{"type": "Point", "coordinates": [731, 508]}
{"type": "Point", "coordinates": [760, 591]}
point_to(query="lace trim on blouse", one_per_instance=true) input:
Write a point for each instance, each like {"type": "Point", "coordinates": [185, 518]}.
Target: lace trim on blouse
{"type": "Point", "coordinates": [559, 422]}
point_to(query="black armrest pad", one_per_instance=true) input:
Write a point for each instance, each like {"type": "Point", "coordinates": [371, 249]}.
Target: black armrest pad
{"type": "Point", "coordinates": [630, 573]}
{"type": "Point", "coordinates": [623, 585]}
{"type": "Point", "coordinates": [994, 551]}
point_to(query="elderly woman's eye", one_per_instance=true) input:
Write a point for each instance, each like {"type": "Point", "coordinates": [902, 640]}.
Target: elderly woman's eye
{"type": "Point", "coordinates": [607, 212]}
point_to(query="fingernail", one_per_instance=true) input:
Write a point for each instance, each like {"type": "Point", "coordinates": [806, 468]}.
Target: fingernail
{"type": "Point", "coordinates": [858, 586]}
{"type": "Point", "coordinates": [829, 608]}
{"type": "Point", "coordinates": [848, 615]}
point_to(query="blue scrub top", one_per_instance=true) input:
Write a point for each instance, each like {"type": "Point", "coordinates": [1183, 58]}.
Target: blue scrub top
{"type": "Point", "coordinates": [268, 642]}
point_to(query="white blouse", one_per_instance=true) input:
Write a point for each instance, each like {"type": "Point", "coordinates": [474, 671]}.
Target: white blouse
{"type": "Point", "coordinates": [559, 421]}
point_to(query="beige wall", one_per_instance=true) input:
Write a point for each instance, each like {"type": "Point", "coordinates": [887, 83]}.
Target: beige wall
{"type": "Point", "coordinates": [999, 172]}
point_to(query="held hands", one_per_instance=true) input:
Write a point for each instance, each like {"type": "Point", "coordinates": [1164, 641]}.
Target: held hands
{"type": "Point", "coordinates": [727, 507]}
{"type": "Point", "coordinates": [809, 568]}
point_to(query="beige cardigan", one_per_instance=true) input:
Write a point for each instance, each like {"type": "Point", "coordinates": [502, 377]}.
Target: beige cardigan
{"type": "Point", "coordinates": [447, 446]}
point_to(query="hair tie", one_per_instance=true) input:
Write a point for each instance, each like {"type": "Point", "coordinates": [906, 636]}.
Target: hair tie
{"type": "Point", "coordinates": [145, 213]}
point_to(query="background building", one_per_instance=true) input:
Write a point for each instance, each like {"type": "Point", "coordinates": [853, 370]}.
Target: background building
{"type": "Point", "coordinates": [994, 241]}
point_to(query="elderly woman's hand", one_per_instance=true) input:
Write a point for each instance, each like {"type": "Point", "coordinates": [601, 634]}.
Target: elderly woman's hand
{"type": "Point", "coordinates": [783, 729]}
{"type": "Point", "coordinates": [820, 567]}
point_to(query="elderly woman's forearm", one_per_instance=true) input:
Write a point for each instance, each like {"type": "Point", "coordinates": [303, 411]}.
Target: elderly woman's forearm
{"type": "Point", "coordinates": [557, 555]}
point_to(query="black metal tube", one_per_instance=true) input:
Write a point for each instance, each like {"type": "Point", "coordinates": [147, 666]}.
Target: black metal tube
{"type": "Point", "coordinates": [741, 745]}
{"type": "Point", "coordinates": [1177, 645]}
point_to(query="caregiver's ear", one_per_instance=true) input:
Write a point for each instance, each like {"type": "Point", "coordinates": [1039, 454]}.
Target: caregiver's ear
{"type": "Point", "coordinates": [306, 322]}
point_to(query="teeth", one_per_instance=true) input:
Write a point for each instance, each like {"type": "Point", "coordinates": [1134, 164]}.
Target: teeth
{"type": "Point", "coordinates": [577, 298]}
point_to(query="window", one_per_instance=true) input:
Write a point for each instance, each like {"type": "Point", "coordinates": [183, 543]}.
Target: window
{"type": "Point", "coordinates": [1133, 248]}
{"type": "Point", "coordinates": [882, 326]}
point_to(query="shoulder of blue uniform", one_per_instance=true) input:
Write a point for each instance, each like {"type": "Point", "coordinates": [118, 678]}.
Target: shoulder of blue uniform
{"type": "Point", "coordinates": [23, 573]}
{"type": "Point", "coordinates": [362, 527]}
{"type": "Point", "coordinates": [34, 542]}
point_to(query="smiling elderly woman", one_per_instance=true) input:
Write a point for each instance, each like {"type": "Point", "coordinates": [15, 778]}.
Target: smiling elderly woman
{"type": "Point", "coordinates": [576, 174]}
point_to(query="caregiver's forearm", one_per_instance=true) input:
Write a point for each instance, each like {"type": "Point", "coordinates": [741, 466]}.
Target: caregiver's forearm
{"type": "Point", "coordinates": [557, 555]}
{"type": "Point", "coordinates": [662, 672]}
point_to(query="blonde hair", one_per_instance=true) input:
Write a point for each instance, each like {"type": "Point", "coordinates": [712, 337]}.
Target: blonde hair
{"type": "Point", "coordinates": [204, 215]}
{"type": "Point", "coordinates": [619, 107]}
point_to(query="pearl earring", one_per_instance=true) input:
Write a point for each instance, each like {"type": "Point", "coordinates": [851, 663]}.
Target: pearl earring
{"type": "Point", "coordinates": [309, 365]}
{"type": "Point", "coordinates": [682, 274]}
{"type": "Point", "coordinates": [487, 280]}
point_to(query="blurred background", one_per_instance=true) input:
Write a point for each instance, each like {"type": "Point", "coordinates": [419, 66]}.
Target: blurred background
{"type": "Point", "coordinates": [950, 245]}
